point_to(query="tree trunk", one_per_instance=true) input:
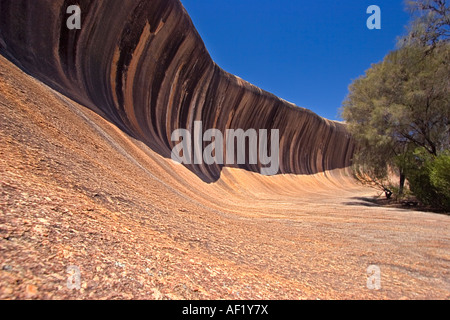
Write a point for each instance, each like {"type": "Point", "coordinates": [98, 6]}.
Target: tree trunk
{"type": "Point", "coordinates": [388, 193]}
{"type": "Point", "coordinates": [402, 183]}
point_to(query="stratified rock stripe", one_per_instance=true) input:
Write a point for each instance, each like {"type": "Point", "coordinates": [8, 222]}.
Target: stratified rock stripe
{"type": "Point", "coordinates": [142, 65]}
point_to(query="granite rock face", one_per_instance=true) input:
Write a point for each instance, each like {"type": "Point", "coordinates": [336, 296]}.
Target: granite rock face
{"type": "Point", "coordinates": [142, 65]}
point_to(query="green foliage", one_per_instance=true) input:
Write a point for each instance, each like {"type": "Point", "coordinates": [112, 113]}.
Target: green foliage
{"type": "Point", "coordinates": [440, 173]}
{"type": "Point", "coordinates": [430, 180]}
{"type": "Point", "coordinates": [403, 100]}
{"type": "Point", "coordinates": [431, 22]}
{"type": "Point", "coordinates": [399, 111]}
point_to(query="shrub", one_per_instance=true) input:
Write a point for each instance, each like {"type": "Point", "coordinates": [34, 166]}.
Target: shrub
{"type": "Point", "coordinates": [430, 180]}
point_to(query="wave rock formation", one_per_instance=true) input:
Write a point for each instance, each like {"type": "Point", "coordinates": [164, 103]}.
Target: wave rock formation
{"type": "Point", "coordinates": [142, 65]}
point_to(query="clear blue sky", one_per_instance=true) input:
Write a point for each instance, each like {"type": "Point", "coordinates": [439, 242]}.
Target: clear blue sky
{"type": "Point", "coordinates": [306, 52]}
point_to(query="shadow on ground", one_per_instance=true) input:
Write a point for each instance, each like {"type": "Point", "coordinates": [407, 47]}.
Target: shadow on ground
{"type": "Point", "coordinates": [392, 203]}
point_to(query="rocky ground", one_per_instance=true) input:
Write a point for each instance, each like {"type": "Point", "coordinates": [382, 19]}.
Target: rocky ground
{"type": "Point", "coordinates": [76, 191]}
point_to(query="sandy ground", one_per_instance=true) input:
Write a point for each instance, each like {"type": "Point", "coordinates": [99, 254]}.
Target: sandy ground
{"type": "Point", "coordinates": [76, 191]}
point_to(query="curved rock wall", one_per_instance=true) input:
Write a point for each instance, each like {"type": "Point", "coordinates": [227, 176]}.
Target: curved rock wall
{"type": "Point", "coordinates": [142, 65]}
